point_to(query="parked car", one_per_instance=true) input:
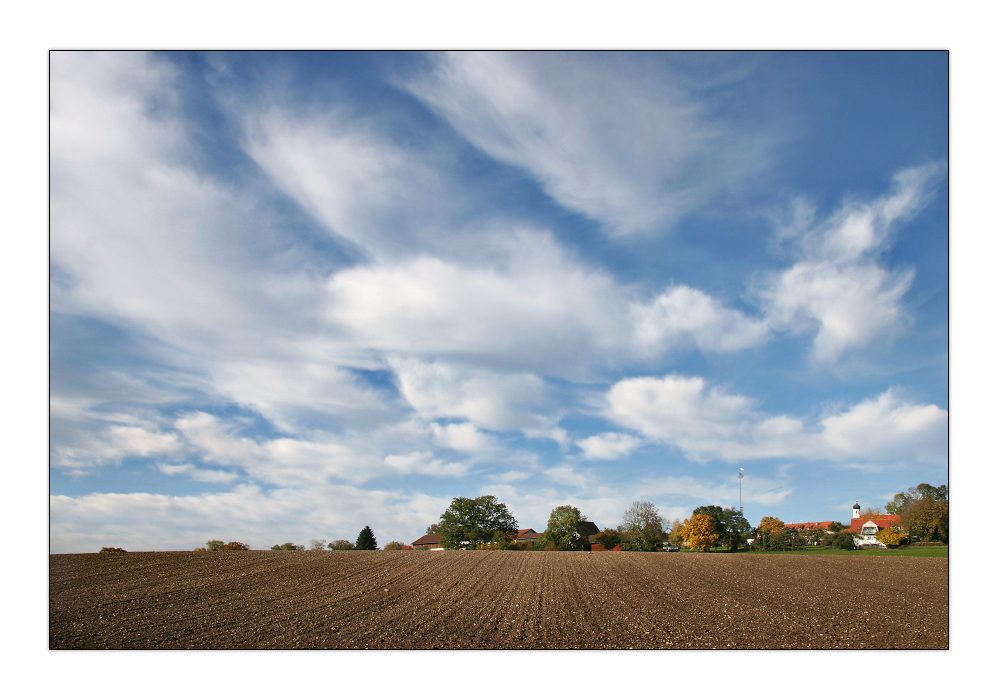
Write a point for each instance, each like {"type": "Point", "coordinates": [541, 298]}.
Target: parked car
{"type": "Point", "coordinates": [671, 548]}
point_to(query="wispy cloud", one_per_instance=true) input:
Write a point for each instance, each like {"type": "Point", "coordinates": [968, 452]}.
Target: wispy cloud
{"type": "Point", "coordinates": [611, 136]}
{"type": "Point", "coordinates": [210, 476]}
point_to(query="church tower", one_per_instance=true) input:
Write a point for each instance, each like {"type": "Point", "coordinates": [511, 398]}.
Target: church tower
{"type": "Point", "coordinates": [856, 510]}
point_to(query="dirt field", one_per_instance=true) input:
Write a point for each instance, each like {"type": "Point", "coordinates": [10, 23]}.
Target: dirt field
{"type": "Point", "coordinates": [494, 600]}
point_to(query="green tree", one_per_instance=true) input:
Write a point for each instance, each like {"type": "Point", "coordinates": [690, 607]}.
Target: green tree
{"type": "Point", "coordinates": [730, 526]}
{"type": "Point", "coordinates": [366, 540]}
{"type": "Point", "coordinates": [432, 529]}
{"type": "Point", "coordinates": [923, 512]}
{"type": "Point", "coordinates": [565, 530]}
{"type": "Point", "coordinates": [609, 538]}
{"type": "Point", "coordinates": [472, 522]}
{"type": "Point", "coordinates": [771, 535]}
{"type": "Point", "coordinates": [644, 527]}
{"type": "Point", "coordinates": [214, 545]}
{"type": "Point", "coordinates": [288, 547]}
{"type": "Point", "coordinates": [501, 540]}
{"type": "Point", "coordinates": [735, 529]}
{"type": "Point", "coordinates": [341, 545]}
{"type": "Point", "coordinates": [393, 546]}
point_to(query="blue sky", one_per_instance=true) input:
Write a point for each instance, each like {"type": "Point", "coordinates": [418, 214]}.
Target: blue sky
{"type": "Point", "coordinates": [294, 294]}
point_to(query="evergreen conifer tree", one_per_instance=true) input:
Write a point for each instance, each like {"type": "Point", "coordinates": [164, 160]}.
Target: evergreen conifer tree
{"type": "Point", "coordinates": [366, 539]}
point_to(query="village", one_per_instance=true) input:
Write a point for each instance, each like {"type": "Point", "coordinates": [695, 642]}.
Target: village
{"type": "Point", "coordinates": [919, 514]}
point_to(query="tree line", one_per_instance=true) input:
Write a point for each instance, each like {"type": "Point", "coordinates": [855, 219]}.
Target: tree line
{"type": "Point", "coordinates": [486, 523]}
{"type": "Point", "coordinates": [365, 541]}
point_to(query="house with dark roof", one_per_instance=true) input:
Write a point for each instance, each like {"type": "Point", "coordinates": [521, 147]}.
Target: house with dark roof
{"type": "Point", "coordinates": [428, 542]}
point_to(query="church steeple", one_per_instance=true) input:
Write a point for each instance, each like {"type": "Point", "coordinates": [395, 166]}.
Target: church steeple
{"type": "Point", "coordinates": [856, 509]}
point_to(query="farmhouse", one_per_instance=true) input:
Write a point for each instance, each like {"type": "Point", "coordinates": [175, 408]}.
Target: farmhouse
{"type": "Point", "coordinates": [428, 542]}
{"type": "Point", "coordinates": [527, 535]}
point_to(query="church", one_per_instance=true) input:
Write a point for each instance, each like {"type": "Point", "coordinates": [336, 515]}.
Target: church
{"type": "Point", "coordinates": [865, 530]}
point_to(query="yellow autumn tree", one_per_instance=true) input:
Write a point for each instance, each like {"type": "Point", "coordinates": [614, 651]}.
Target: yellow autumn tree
{"type": "Point", "coordinates": [699, 532]}
{"type": "Point", "coordinates": [891, 536]}
{"type": "Point", "coordinates": [770, 525]}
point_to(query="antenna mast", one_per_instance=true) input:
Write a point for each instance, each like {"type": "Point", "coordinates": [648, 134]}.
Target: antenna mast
{"type": "Point", "coordinates": [740, 491]}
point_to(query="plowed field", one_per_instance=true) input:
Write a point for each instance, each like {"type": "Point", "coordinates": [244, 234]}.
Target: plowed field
{"type": "Point", "coordinates": [494, 600]}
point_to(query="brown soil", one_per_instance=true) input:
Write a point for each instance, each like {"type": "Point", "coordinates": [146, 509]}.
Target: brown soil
{"type": "Point", "coordinates": [494, 600]}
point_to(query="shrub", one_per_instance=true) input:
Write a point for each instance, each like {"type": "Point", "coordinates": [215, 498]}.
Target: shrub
{"type": "Point", "coordinates": [392, 546]}
{"type": "Point", "coordinates": [341, 544]}
{"type": "Point", "coordinates": [112, 550]}
{"type": "Point", "coordinates": [288, 547]}
{"type": "Point", "coordinates": [200, 549]}
{"type": "Point", "coordinates": [843, 540]}
{"type": "Point", "coordinates": [234, 546]}
{"type": "Point", "coordinates": [214, 545]}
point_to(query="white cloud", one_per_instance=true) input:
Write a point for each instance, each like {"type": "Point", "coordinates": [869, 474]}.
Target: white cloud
{"type": "Point", "coordinates": [838, 288]}
{"type": "Point", "coordinates": [608, 446]}
{"type": "Point", "coordinates": [568, 475]}
{"type": "Point", "coordinates": [539, 311]}
{"type": "Point", "coordinates": [886, 427]}
{"type": "Point", "coordinates": [708, 423]}
{"type": "Point", "coordinates": [685, 316]}
{"type": "Point", "coordinates": [464, 437]}
{"type": "Point", "coordinates": [491, 400]}
{"type": "Point", "coordinates": [425, 463]}
{"type": "Point", "coordinates": [112, 444]}
{"type": "Point", "coordinates": [603, 137]}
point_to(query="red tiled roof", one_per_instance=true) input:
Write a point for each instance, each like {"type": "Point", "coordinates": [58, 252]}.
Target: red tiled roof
{"type": "Point", "coordinates": [524, 531]}
{"type": "Point", "coordinates": [807, 526]}
{"type": "Point", "coordinates": [883, 522]}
